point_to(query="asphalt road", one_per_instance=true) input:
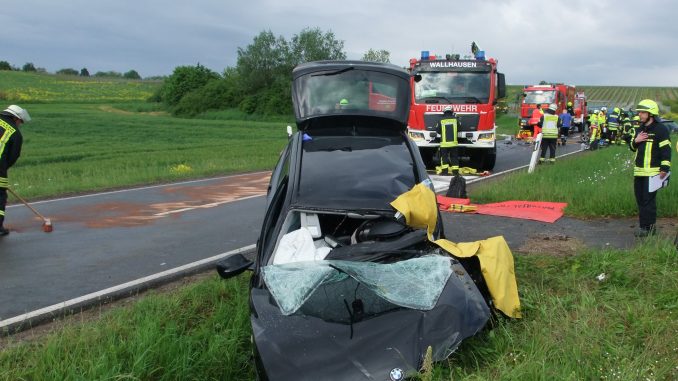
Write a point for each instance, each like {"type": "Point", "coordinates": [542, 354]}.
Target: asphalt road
{"type": "Point", "coordinates": [104, 240]}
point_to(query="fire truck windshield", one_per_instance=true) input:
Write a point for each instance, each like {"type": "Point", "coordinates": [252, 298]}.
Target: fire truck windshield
{"type": "Point", "coordinates": [452, 87]}
{"type": "Point", "coordinates": [540, 97]}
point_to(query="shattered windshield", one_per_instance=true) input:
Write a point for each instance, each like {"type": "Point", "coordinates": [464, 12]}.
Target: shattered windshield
{"type": "Point", "coordinates": [326, 288]}
{"type": "Point", "coordinates": [452, 87]}
{"type": "Point", "coordinates": [540, 97]}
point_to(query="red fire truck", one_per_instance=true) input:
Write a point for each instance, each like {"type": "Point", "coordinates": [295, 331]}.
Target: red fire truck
{"type": "Point", "coordinates": [541, 96]}
{"type": "Point", "coordinates": [471, 87]}
{"type": "Point", "coordinates": [580, 111]}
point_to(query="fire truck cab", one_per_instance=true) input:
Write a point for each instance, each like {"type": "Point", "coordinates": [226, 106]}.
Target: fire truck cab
{"type": "Point", "coordinates": [540, 96]}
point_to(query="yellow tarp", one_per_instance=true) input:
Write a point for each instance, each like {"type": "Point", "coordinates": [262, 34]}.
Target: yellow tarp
{"type": "Point", "coordinates": [420, 210]}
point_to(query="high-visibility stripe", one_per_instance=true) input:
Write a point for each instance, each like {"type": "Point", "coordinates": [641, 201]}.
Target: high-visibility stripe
{"type": "Point", "coordinates": [647, 159]}
{"type": "Point", "coordinates": [666, 163]}
{"type": "Point", "coordinates": [638, 171]}
{"type": "Point", "coordinates": [664, 143]}
{"type": "Point", "coordinates": [7, 133]}
{"type": "Point", "coordinates": [2, 213]}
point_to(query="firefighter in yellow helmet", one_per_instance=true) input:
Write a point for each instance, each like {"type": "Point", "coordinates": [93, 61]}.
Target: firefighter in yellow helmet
{"type": "Point", "coordinates": [653, 158]}
{"type": "Point", "coordinates": [449, 145]}
{"type": "Point", "coordinates": [10, 149]}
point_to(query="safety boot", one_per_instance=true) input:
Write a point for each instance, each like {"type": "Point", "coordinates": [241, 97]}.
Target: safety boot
{"type": "Point", "coordinates": [3, 231]}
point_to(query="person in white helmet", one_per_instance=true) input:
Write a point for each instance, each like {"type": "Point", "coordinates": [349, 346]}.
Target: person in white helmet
{"type": "Point", "coordinates": [10, 149]}
{"type": "Point", "coordinates": [549, 131]}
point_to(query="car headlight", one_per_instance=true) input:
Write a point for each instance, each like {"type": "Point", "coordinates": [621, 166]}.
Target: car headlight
{"type": "Point", "coordinates": [487, 136]}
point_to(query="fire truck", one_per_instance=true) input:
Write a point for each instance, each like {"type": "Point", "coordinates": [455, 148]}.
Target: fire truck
{"type": "Point", "coordinates": [471, 86]}
{"type": "Point", "coordinates": [580, 111]}
{"type": "Point", "coordinates": [541, 96]}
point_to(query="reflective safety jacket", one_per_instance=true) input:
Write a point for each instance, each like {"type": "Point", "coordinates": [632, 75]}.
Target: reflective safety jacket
{"type": "Point", "coordinates": [654, 154]}
{"type": "Point", "coordinates": [10, 144]}
{"type": "Point", "coordinates": [602, 118]}
{"type": "Point", "coordinates": [593, 119]}
{"type": "Point", "coordinates": [549, 126]}
{"type": "Point", "coordinates": [627, 127]}
{"type": "Point", "coordinates": [448, 133]}
{"type": "Point", "coordinates": [613, 121]}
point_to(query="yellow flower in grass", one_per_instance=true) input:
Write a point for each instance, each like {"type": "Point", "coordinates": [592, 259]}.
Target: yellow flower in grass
{"type": "Point", "coordinates": [180, 169]}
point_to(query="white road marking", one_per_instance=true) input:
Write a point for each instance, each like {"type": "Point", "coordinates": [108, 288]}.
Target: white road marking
{"type": "Point", "coordinates": [103, 293]}
{"type": "Point", "coordinates": [204, 206]}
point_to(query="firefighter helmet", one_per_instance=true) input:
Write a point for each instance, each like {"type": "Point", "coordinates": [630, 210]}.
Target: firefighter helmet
{"type": "Point", "coordinates": [447, 110]}
{"type": "Point", "coordinates": [343, 102]}
{"type": "Point", "coordinates": [603, 109]}
{"type": "Point", "coordinates": [18, 112]}
{"type": "Point", "coordinates": [553, 107]}
{"type": "Point", "coordinates": [569, 104]}
{"type": "Point", "coordinates": [636, 118]}
{"type": "Point", "coordinates": [649, 106]}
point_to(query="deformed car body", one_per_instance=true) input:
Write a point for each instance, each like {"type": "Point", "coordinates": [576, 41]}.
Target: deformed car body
{"type": "Point", "coordinates": [342, 289]}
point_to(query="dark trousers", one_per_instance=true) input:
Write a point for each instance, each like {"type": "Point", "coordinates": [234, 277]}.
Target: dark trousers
{"type": "Point", "coordinates": [549, 143]}
{"type": "Point", "coordinates": [450, 156]}
{"type": "Point", "coordinates": [3, 203]}
{"type": "Point", "coordinates": [647, 202]}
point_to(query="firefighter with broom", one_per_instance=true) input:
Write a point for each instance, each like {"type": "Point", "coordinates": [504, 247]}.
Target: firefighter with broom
{"type": "Point", "coordinates": [10, 149]}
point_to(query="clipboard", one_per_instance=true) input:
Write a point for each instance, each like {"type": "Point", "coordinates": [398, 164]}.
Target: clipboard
{"type": "Point", "coordinates": [655, 183]}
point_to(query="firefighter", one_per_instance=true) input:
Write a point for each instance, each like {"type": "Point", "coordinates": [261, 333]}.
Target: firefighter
{"type": "Point", "coordinates": [564, 123]}
{"type": "Point", "coordinates": [652, 146]}
{"type": "Point", "coordinates": [570, 109]}
{"type": "Point", "coordinates": [602, 125]}
{"type": "Point", "coordinates": [534, 120]}
{"type": "Point", "coordinates": [10, 149]}
{"type": "Point", "coordinates": [549, 127]}
{"type": "Point", "coordinates": [594, 130]}
{"type": "Point", "coordinates": [449, 150]}
{"type": "Point", "coordinates": [613, 125]}
{"type": "Point", "coordinates": [626, 128]}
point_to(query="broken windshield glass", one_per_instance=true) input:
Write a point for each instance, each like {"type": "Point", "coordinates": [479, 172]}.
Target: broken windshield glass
{"type": "Point", "coordinates": [414, 283]}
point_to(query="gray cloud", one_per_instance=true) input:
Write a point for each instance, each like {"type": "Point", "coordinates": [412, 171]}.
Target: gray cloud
{"type": "Point", "coordinates": [580, 42]}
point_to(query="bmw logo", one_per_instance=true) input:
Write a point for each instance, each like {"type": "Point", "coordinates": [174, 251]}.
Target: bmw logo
{"type": "Point", "coordinates": [396, 374]}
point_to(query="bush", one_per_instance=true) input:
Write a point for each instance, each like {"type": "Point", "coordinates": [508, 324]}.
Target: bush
{"type": "Point", "coordinates": [108, 74]}
{"type": "Point", "coordinates": [4, 65]}
{"type": "Point", "coordinates": [28, 66]}
{"type": "Point", "coordinates": [132, 74]}
{"type": "Point", "coordinates": [215, 95]}
{"type": "Point", "coordinates": [185, 79]}
{"type": "Point", "coordinates": [67, 71]}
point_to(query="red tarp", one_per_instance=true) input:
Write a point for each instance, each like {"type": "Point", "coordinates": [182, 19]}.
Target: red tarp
{"type": "Point", "coordinates": [529, 210]}
{"type": "Point", "coordinates": [445, 202]}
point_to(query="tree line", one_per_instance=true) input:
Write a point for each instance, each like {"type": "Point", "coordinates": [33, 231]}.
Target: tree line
{"type": "Point", "coordinates": [260, 81]}
{"type": "Point", "coordinates": [29, 67]}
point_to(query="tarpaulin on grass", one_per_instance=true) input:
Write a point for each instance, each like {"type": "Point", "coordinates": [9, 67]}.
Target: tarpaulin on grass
{"type": "Point", "coordinates": [543, 211]}
{"type": "Point", "coordinates": [444, 202]}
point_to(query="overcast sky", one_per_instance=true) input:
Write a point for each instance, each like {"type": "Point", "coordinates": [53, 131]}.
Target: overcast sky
{"type": "Point", "coordinates": [576, 41]}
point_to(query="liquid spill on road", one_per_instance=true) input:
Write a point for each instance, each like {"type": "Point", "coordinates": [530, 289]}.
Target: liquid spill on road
{"type": "Point", "coordinates": [191, 197]}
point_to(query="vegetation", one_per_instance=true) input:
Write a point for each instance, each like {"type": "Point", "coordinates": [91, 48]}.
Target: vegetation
{"type": "Point", "coordinates": [598, 183]}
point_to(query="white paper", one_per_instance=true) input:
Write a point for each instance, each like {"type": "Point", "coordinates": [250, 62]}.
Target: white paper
{"type": "Point", "coordinates": [656, 182]}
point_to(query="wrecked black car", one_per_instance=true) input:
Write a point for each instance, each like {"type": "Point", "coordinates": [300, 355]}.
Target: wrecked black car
{"type": "Point", "coordinates": [342, 287]}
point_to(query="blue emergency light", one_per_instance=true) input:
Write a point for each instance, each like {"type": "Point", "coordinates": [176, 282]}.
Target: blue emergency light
{"type": "Point", "coordinates": [424, 55]}
{"type": "Point", "coordinates": [480, 55]}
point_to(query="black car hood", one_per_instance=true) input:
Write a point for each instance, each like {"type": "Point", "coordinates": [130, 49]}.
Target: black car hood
{"type": "Point", "coordinates": [304, 346]}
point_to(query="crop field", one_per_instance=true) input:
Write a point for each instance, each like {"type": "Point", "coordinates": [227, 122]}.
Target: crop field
{"type": "Point", "coordinates": [23, 87]}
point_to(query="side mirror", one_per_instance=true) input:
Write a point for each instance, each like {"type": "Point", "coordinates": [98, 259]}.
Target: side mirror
{"type": "Point", "coordinates": [501, 85]}
{"type": "Point", "coordinates": [289, 131]}
{"type": "Point", "coordinates": [233, 265]}
{"type": "Point", "coordinates": [417, 77]}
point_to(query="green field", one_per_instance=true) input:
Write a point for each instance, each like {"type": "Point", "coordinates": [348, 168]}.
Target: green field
{"type": "Point", "coordinates": [90, 134]}
{"type": "Point", "coordinates": [20, 87]}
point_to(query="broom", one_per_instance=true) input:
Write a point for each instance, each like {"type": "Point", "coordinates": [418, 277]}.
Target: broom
{"type": "Point", "coordinates": [46, 222]}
